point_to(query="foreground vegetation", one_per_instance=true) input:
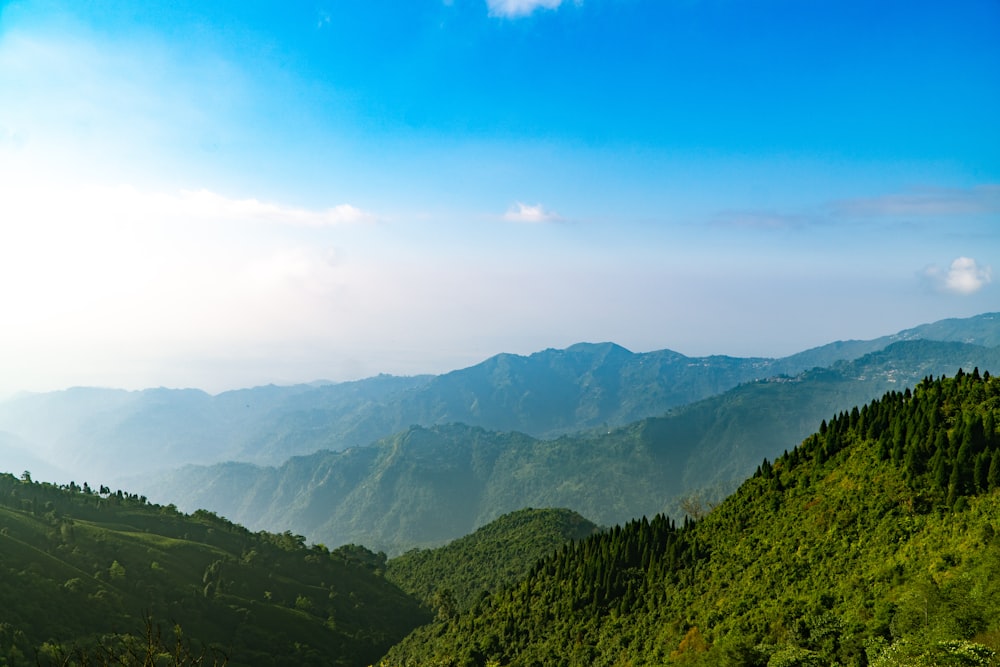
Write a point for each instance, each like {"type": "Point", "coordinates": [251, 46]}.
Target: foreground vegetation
{"type": "Point", "coordinates": [88, 576]}
{"type": "Point", "coordinates": [872, 543]}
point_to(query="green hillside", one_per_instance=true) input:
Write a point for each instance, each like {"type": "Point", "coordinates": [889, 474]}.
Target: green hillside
{"type": "Point", "coordinates": [874, 542]}
{"type": "Point", "coordinates": [427, 485]}
{"type": "Point", "coordinates": [453, 577]}
{"type": "Point", "coordinates": [79, 568]}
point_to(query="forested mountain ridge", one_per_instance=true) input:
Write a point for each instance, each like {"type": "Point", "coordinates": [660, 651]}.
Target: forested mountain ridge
{"type": "Point", "coordinates": [101, 433]}
{"type": "Point", "coordinates": [425, 486]}
{"type": "Point", "coordinates": [453, 577]}
{"type": "Point", "coordinates": [981, 330]}
{"type": "Point", "coordinates": [873, 542]}
{"type": "Point", "coordinates": [81, 569]}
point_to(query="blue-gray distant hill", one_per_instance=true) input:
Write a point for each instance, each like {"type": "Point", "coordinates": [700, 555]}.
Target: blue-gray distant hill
{"type": "Point", "coordinates": [426, 485]}
{"type": "Point", "coordinates": [103, 434]}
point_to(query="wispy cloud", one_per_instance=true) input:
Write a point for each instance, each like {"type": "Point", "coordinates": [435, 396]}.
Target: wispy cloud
{"type": "Point", "coordinates": [762, 220]}
{"type": "Point", "coordinates": [917, 203]}
{"type": "Point", "coordinates": [204, 203]}
{"type": "Point", "coordinates": [519, 8]}
{"type": "Point", "coordinates": [925, 201]}
{"type": "Point", "coordinates": [94, 204]}
{"type": "Point", "coordinates": [964, 276]}
{"type": "Point", "coordinates": [535, 214]}
{"type": "Point", "coordinates": [126, 264]}
{"type": "Point", "coordinates": [74, 246]}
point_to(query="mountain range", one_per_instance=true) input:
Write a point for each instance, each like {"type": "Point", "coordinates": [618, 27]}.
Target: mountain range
{"type": "Point", "coordinates": [426, 485]}
{"type": "Point", "coordinates": [106, 434]}
{"type": "Point", "coordinates": [394, 462]}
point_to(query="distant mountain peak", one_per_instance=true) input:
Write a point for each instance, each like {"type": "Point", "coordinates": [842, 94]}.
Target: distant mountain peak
{"type": "Point", "coordinates": [604, 347]}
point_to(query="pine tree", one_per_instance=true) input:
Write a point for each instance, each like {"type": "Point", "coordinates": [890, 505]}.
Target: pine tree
{"type": "Point", "coordinates": [993, 475]}
{"type": "Point", "coordinates": [940, 470]}
{"type": "Point", "coordinates": [980, 471]}
{"type": "Point", "coordinates": [954, 485]}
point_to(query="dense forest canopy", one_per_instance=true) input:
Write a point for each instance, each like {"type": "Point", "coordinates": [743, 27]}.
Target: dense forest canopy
{"type": "Point", "coordinates": [498, 554]}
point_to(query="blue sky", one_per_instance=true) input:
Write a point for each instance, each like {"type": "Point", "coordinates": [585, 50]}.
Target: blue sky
{"type": "Point", "coordinates": [228, 194]}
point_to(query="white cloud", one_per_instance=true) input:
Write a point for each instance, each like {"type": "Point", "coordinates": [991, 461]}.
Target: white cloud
{"type": "Point", "coordinates": [519, 8]}
{"type": "Point", "coordinates": [964, 276]}
{"type": "Point", "coordinates": [526, 213]}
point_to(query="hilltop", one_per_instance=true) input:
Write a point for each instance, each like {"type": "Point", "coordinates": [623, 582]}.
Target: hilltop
{"type": "Point", "coordinates": [495, 556]}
